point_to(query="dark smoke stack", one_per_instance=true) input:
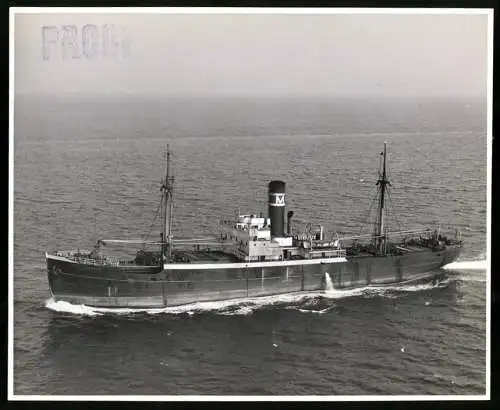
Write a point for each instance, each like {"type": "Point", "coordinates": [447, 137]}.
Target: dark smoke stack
{"type": "Point", "coordinates": [277, 208]}
{"type": "Point", "coordinates": [288, 223]}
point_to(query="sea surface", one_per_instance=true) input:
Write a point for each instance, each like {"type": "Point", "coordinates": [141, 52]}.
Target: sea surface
{"type": "Point", "coordinates": [89, 167]}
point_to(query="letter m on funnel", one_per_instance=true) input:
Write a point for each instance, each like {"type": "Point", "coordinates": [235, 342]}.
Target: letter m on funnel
{"type": "Point", "coordinates": [279, 200]}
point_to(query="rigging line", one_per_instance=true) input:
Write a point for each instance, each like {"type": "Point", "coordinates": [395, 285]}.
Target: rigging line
{"type": "Point", "coordinates": [372, 203]}
{"type": "Point", "coordinates": [389, 173]}
{"type": "Point", "coordinates": [410, 198]}
{"type": "Point", "coordinates": [393, 209]}
{"type": "Point", "coordinates": [389, 177]}
{"type": "Point", "coordinates": [371, 207]}
{"type": "Point", "coordinates": [365, 221]}
{"type": "Point", "coordinates": [154, 219]}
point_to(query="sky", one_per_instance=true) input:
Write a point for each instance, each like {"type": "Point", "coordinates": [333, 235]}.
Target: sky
{"type": "Point", "coordinates": [252, 54]}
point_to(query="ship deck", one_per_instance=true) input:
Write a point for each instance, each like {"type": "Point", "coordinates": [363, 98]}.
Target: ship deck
{"type": "Point", "coordinates": [405, 249]}
{"type": "Point", "coordinates": [206, 256]}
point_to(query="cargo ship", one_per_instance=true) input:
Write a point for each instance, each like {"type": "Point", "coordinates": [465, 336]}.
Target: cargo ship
{"type": "Point", "coordinates": [251, 255]}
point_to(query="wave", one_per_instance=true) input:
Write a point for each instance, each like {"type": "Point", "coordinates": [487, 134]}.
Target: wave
{"type": "Point", "coordinates": [66, 307]}
{"type": "Point", "coordinates": [319, 302]}
{"type": "Point", "coordinates": [229, 307]}
{"type": "Point", "coordinates": [319, 312]}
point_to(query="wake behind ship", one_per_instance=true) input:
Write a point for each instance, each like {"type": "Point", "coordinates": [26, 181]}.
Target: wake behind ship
{"type": "Point", "coordinates": [252, 255]}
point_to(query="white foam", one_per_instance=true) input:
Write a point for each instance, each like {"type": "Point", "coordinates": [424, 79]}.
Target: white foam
{"type": "Point", "coordinates": [344, 293]}
{"type": "Point", "coordinates": [244, 310]}
{"type": "Point", "coordinates": [467, 265]}
{"type": "Point", "coordinates": [67, 307]}
{"type": "Point", "coordinates": [328, 282]}
{"type": "Point", "coordinates": [243, 306]}
{"type": "Point", "coordinates": [381, 290]}
{"type": "Point", "coordinates": [472, 276]}
{"type": "Point", "coordinates": [319, 312]}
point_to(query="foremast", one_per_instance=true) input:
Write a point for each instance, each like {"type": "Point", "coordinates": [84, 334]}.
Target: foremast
{"type": "Point", "coordinates": [380, 237]}
{"type": "Point", "coordinates": [167, 211]}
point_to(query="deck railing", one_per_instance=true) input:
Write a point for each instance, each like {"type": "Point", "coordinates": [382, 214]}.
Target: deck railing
{"type": "Point", "coordinates": [87, 260]}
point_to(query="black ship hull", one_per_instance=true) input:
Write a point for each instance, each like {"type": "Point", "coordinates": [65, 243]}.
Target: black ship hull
{"type": "Point", "coordinates": [155, 287]}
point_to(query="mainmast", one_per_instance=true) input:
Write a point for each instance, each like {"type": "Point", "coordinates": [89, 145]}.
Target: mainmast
{"type": "Point", "coordinates": [168, 202]}
{"type": "Point", "coordinates": [383, 182]}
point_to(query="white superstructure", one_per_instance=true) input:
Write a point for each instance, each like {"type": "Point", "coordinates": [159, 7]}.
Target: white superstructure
{"type": "Point", "coordinates": [249, 239]}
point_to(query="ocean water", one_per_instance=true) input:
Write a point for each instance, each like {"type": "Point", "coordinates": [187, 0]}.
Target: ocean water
{"type": "Point", "coordinates": [90, 167]}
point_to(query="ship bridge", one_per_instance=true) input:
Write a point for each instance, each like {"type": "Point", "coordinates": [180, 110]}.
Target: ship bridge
{"type": "Point", "coordinates": [253, 221]}
{"type": "Point", "coordinates": [247, 227]}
